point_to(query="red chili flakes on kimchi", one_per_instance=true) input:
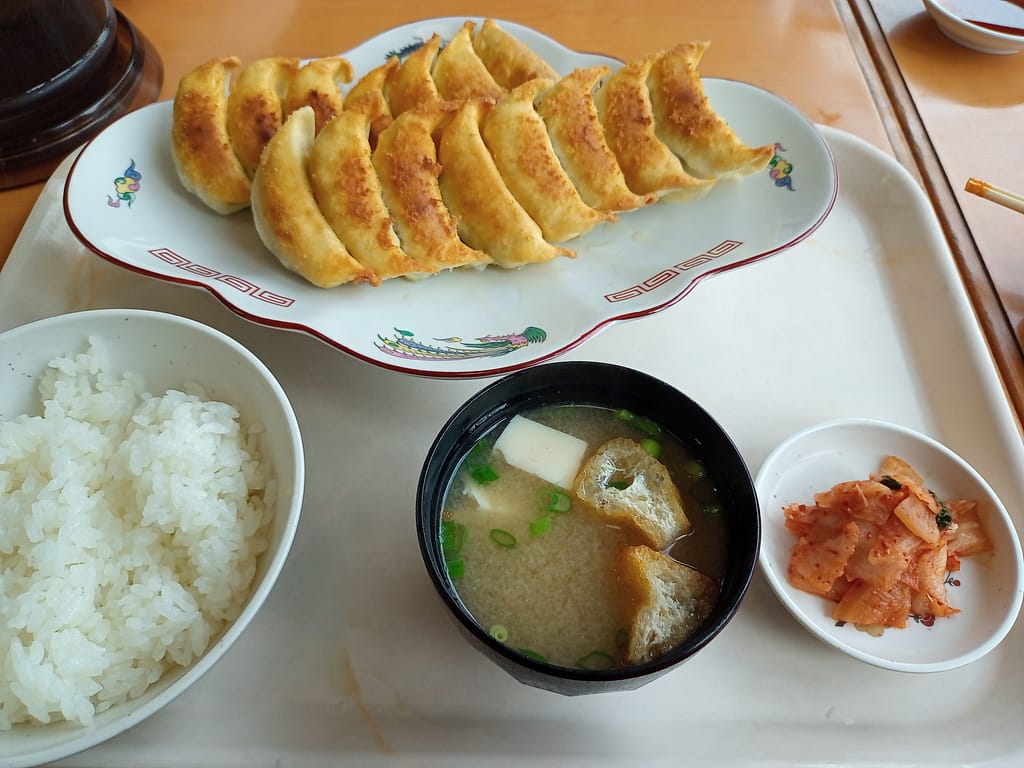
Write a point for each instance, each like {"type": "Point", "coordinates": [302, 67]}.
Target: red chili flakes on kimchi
{"type": "Point", "coordinates": [880, 548]}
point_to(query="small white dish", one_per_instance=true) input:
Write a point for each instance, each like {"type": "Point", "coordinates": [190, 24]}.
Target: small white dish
{"type": "Point", "coordinates": [988, 588]}
{"type": "Point", "coordinates": [167, 351]}
{"type": "Point", "coordinates": [464, 323]}
{"type": "Point", "coordinates": [955, 19]}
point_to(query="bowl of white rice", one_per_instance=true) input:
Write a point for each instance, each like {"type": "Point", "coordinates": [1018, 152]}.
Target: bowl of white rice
{"type": "Point", "coordinates": [151, 478]}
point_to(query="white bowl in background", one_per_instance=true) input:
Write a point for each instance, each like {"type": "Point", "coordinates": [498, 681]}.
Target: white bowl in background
{"type": "Point", "coordinates": [167, 351]}
{"type": "Point", "coordinates": [973, 36]}
{"type": "Point", "coordinates": [991, 585]}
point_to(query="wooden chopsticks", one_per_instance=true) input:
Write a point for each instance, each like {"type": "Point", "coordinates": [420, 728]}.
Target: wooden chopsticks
{"type": "Point", "coordinates": [1001, 196]}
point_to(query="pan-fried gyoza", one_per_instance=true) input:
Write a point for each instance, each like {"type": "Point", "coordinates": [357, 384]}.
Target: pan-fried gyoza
{"type": "Point", "coordinates": [464, 153]}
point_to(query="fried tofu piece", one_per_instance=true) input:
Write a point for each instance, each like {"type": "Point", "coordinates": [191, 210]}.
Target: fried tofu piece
{"type": "Point", "coordinates": [667, 601]}
{"type": "Point", "coordinates": [625, 485]}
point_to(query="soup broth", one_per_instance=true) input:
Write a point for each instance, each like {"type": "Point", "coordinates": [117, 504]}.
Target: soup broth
{"type": "Point", "coordinates": [542, 578]}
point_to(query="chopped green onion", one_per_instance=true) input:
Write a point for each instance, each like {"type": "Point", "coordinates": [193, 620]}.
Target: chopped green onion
{"type": "Point", "coordinates": [944, 517]}
{"type": "Point", "coordinates": [621, 638]}
{"type": "Point", "coordinates": [712, 508]}
{"type": "Point", "coordinates": [652, 447]}
{"type": "Point", "coordinates": [694, 470]}
{"type": "Point", "coordinates": [481, 452]}
{"type": "Point", "coordinates": [554, 500]}
{"type": "Point", "coordinates": [891, 483]}
{"type": "Point", "coordinates": [596, 660]}
{"type": "Point", "coordinates": [503, 538]}
{"type": "Point", "coordinates": [499, 633]}
{"type": "Point", "coordinates": [645, 425]}
{"type": "Point", "coordinates": [484, 474]}
{"type": "Point", "coordinates": [540, 526]}
{"type": "Point", "coordinates": [532, 654]}
{"type": "Point", "coordinates": [453, 535]}
{"type": "Point", "coordinates": [456, 568]}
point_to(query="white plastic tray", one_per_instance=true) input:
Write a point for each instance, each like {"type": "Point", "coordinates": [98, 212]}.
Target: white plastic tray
{"type": "Point", "coordinates": [352, 660]}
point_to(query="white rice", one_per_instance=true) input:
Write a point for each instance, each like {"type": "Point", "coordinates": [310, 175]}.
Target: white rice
{"type": "Point", "coordinates": [129, 530]}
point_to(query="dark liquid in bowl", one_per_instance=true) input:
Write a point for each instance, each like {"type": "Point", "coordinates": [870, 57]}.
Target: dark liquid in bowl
{"type": "Point", "coordinates": [997, 27]}
{"type": "Point", "coordinates": [996, 15]}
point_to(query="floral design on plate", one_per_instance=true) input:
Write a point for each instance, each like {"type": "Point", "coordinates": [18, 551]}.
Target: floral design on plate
{"type": "Point", "coordinates": [780, 170]}
{"type": "Point", "coordinates": [126, 187]}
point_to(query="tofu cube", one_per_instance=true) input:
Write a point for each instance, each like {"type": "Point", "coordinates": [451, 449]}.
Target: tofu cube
{"type": "Point", "coordinates": [540, 450]}
{"type": "Point", "coordinates": [478, 493]}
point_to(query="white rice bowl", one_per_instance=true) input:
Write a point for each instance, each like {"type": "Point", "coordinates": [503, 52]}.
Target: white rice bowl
{"type": "Point", "coordinates": [150, 483]}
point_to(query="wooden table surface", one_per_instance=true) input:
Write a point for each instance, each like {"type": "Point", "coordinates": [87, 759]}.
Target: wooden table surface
{"type": "Point", "coordinates": [957, 113]}
{"type": "Point", "coordinates": [972, 105]}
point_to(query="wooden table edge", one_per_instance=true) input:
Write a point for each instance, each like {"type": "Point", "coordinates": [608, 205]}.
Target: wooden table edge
{"type": "Point", "coordinates": [913, 148]}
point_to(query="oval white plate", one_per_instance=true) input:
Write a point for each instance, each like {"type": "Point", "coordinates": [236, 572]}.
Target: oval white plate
{"type": "Point", "coordinates": [988, 588]}
{"type": "Point", "coordinates": [123, 200]}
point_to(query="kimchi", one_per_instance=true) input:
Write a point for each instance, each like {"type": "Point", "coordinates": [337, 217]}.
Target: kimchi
{"type": "Point", "coordinates": [881, 548]}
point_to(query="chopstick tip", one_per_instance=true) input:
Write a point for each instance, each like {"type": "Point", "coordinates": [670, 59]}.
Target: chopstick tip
{"type": "Point", "coordinates": [999, 196]}
{"type": "Point", "coordinates": [976, 186]}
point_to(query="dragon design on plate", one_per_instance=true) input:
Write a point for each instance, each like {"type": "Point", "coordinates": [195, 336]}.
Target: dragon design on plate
{"type": "Point", "coordinates": [404, 344]}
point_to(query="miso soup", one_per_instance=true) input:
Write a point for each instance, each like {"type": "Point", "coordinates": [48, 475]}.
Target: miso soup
{"type": "Point", "coordinates": [537, 568]}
